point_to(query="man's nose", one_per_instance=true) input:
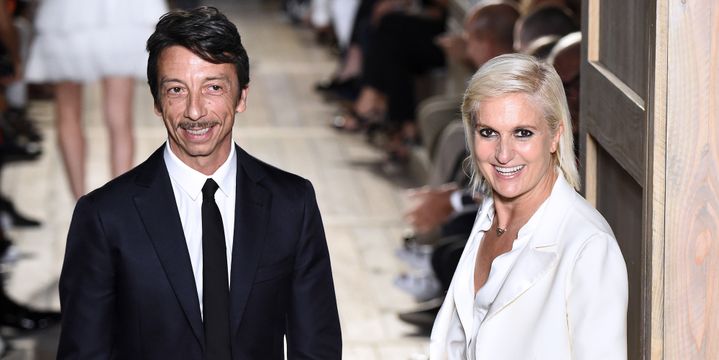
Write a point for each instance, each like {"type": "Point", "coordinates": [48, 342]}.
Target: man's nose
{"type": "Point", "coordinates": [195, 108]}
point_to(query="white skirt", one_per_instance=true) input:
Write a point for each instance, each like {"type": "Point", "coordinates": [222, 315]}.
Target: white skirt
{"type": "Point", "coordinates": [84, 40]}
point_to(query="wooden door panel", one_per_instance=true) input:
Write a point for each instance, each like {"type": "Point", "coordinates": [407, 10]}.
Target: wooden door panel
{"type": "Point", "coordinates": [614, 124]}
{"type": "Point", "coordinates": [623, 41]}
{"type": "Point", "coordinates": [615, 118]}
{"type": "Point", "coordinates": [619, 199]}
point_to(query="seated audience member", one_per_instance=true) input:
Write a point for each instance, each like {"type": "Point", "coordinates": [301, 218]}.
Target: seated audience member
{"type": "Point", "coordinates": [485, 25]}
{"type": "Point", "coordinates": [344, 83]}
{"type": "Point", "coordinates": [19, 141]}
{"type": "Point", "coordinates": [542, 21]}
{"type": "Point", "coordinates": [566, 59]}
{"type": "Point", "coordinates": [541, 46]}
{"type": "Point", "coordinates": [488, 31]}
{"type": "Point", "coordinates": [401, 46]}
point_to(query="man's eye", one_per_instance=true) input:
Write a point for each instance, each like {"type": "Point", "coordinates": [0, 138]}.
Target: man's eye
{"type": "Point", "coordinates": [484, 132]}
{"type": "Point", "coordinates": [174, 90]}
{"type": "Point", "coordinates": [215, 88]}
{"type": "Point", "coordinates": [523, 133]}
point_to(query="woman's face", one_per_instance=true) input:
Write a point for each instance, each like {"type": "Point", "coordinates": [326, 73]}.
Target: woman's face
{"type": "Point", "coordinates": [514, 145]}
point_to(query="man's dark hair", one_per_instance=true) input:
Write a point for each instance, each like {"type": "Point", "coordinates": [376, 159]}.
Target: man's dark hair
{"type": "Point", "coordinates": [494, 21]}
{"type": "Point", "coordinates": [207, 33]}
{"type": "Point", "coordinates": [545, 20]}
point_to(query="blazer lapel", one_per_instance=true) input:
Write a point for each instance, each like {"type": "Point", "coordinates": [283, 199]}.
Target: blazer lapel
{"type": "Point", "coordinates": [462, 286]}
{"type": "Point", "coordinates": [540, 255]}
{"type": "Point", "coordinates": [158, 211]}
{"type": "Point", "coordinates": [530, 266]}
{"type": "Point", "coordinates": [252, 208]}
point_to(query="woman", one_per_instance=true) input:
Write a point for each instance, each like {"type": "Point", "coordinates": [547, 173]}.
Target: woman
{"type": "Point", "coordinates": [80, 41]}
{"type": "Point", "coordinates": [541, 276]}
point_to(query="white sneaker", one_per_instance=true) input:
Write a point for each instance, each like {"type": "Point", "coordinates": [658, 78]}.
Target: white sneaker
{"type": "Point", "coordinates": [417, 256]}
{"type": "Point", "coordinates": [422, 287]}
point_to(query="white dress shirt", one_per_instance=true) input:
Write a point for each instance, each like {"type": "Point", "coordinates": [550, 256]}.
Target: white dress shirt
{"type": "Point", "coordinates": [187, 186]}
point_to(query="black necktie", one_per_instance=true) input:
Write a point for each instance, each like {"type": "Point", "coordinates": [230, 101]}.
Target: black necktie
{"type": "Point", "coordinates": [215, 293]}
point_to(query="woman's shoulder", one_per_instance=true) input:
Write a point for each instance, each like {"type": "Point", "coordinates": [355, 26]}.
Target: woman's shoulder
{"type": "Point", "coordinates": [583, 229]}
{"type": "Point", "coordinates": [580, 221]}
{"type": "Point", "coordinates": [586, 216]}
{"type": "Point", "coordinates": [567, 209]}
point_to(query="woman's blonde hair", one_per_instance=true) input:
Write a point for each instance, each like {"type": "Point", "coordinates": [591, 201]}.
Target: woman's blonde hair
{"type": "Point", "coordinates": [520, 74]}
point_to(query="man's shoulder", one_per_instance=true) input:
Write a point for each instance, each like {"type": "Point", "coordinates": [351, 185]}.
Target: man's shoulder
{"type": "Point", "coordinates": [125, 185]}
{"type": "Point", "coordinates": [265, 173]}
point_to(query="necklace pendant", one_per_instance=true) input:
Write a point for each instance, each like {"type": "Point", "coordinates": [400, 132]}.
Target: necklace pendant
{"type": "Point", "coordinates": [500, 231]}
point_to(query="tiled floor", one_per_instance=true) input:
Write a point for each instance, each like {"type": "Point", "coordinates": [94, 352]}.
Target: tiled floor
{"type": "Point", "coordinates": [285, 125]}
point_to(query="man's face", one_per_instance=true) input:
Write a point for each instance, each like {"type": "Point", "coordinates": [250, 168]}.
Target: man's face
{"type": "Point", "coordinates": [198, 102]}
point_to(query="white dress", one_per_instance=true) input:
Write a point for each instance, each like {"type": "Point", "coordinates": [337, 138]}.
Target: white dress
{"type": "Point", "coordinates": [84, 40]}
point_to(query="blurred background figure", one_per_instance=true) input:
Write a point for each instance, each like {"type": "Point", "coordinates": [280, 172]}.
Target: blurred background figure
{"type": "Point", "coordinates": [565, 57]}
{"type": "Point", "coordinates": [20, 141]}
{"type": "Point", "coordinates": [82, 41]}
{"type": "Point", "coordinates": [541, 27]}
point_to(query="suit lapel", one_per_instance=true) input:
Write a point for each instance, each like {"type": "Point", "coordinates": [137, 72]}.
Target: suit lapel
{"type": "Point", "coordinates": [252, 207]}
{"type": "Point", "coordinates": [158, 211]}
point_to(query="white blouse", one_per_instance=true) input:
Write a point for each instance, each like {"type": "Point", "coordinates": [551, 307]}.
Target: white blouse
{"type": "Point", "coordinates": [460, 347]}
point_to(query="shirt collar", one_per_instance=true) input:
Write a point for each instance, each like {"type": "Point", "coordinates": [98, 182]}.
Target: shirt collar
{"type": "Point", "coordinates": [191, 181]}
{"type": "Point", "coordinates": [486, 213]}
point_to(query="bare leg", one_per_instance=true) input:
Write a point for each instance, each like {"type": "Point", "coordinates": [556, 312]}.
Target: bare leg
{"type": "Point", "coordinates": [117, 109]}
{"type": "Point", "coordinates": [68, 113]}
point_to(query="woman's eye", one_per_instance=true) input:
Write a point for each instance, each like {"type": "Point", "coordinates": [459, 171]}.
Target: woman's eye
{"type": "Point", "coordinates": [523, 133]}
{"type": "Point", "coordinates": [484, 132]}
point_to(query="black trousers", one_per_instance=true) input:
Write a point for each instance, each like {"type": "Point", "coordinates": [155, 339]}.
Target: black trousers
{"type": "Point", "coordinates": [399, 48]}
{"type": "Point", "coordinates": [445, 258]}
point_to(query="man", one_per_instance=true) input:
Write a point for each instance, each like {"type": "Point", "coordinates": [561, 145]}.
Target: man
{"type": "Point", "coordinates": [143, 278]}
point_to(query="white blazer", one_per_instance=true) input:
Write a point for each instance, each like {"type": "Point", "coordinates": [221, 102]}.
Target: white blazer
{"type": "Point", "coordinates": [564, 298]}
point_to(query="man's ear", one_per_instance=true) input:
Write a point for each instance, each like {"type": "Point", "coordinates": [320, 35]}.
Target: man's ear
{"type": "Point", "coordinates": [242, 102]}
{"type": "Point", "coordinates": [158, 110]}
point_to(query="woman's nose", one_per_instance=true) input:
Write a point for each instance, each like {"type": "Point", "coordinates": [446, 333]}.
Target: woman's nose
{"type": "Point", "coordinates": [504, 151]}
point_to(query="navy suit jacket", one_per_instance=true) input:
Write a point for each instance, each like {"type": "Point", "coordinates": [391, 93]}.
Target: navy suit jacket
{"type": "Point", "coordinates": [127, 289]}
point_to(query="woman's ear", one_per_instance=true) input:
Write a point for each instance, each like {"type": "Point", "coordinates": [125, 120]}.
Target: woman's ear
{"type": "Point", "coordinates": [556, 138]}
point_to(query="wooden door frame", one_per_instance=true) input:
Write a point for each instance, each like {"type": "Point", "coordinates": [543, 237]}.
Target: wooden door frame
{"type": "Point", "coordinates": [653, 182]}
